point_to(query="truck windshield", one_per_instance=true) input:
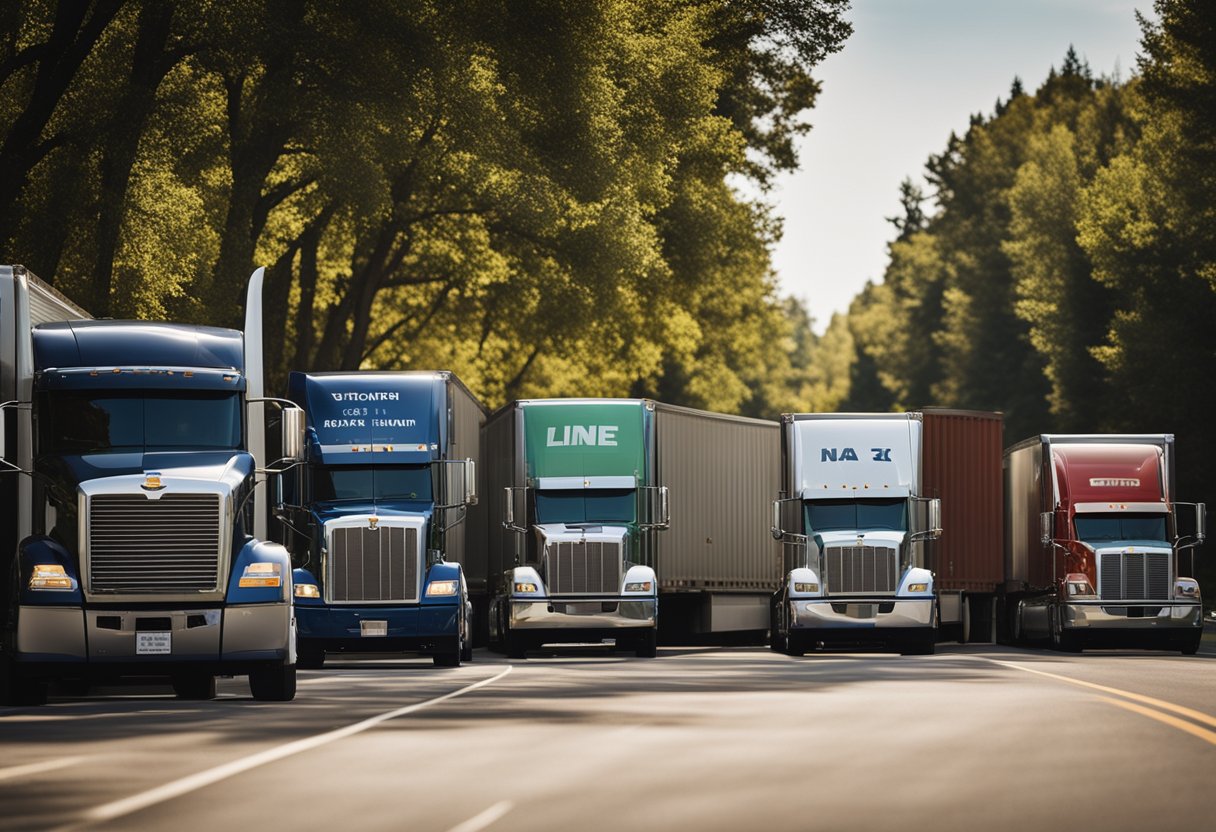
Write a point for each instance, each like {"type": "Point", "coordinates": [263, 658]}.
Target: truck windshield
{"type": "Point", "coordinates": [369, 482]}
{"type": "Point", "coordinates": [847, 515]}
{"type": "Point", "coordinates": [577, 505]}
{"type": "Point", "coordinates": [1095, 528]}
{"type": "Point", "coordinates": [82, 422]}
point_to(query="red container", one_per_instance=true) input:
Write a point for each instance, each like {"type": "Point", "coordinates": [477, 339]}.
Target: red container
{"type": "Point", "coordinates": [961, 461]}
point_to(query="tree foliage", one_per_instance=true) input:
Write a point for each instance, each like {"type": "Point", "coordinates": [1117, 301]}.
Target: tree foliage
{"type": "Point", "coordinates": [533, 193]}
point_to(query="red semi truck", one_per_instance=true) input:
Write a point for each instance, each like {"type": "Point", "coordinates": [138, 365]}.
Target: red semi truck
{"type": "Point", "coordinates": [1093, 552]}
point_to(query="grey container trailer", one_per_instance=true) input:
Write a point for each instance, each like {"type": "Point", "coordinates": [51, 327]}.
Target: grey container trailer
{"type": "Point", "coordinates": [718, 565]}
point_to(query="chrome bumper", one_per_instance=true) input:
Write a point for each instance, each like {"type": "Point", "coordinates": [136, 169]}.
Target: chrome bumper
{"type": "Point", "coordinates": [254, 631]}
{"type": "Point", "coordinates": [860, 613]}
{"type": "Point", "coordinates": [584, 614]}
{"type": "Point", "coordinates": [1116, 615]}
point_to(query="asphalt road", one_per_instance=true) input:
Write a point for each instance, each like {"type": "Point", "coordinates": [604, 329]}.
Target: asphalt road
{"type": "Point", "coordinates": [975, 737]}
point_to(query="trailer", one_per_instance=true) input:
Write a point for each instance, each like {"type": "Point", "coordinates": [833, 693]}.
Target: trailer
{"type": "Point", "coordinates": [386, 529]}
{"type": "Point", "coordinates": [1094, 552]}
{"type": "Point", "coordinates": [137, 547]}
{"type": "Point", "coordinates": [717, 565]}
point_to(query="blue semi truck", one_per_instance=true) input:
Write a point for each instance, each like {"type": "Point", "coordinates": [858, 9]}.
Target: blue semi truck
{"type": "Point", "coordinates": [134, 472]}
{"type": "Point", "coordinates": [383, 519]}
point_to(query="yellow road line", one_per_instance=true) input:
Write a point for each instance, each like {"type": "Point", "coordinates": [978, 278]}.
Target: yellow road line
{"type": "Point", "coordinates": [1189, 713]}
{"type": "Point", "coordinates": [1180, 724]}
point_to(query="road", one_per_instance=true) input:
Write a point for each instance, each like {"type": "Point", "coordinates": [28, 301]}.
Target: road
{"type": "Point", "coordinates": [977, 736]}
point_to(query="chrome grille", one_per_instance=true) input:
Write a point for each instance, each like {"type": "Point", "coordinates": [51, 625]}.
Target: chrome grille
{"type": "Point", "coordinates": [853, 569]}
{"type": "Point", "coordinates": [367, 564]}
{"type": "Point", "coordinates": [1134, 576]}
{"type": "Point", "coordinates": [138, 545]}
{"type": "Point", "coordinates": [584, 567]}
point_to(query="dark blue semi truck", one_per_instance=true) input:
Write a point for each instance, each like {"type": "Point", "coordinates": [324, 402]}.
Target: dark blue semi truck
{"type": "Point", "coordinates": [133, 472]}
{"type": "Point", "coordinates": [383, 521]}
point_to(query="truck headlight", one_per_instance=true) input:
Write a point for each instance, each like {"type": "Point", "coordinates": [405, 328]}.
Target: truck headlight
{"type": "Point", "coordinates": [442, 588]}
{"type": "Point", "coordinates": [805, 587]}
{"type": "Point", "coordinates": [918, 587]}
{"type": "Point", "coordinates": [307, 591]}
{"type": "Point", "coordinates": [50, 576]}
{"type": "Point", "coordinates": [638, 586]}
{"type": "Point", "coordinates": [262, 574]}
{"type": "Point", "coordinates": [522, 587]}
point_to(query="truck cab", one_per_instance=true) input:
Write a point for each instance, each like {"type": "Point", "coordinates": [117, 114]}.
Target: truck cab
{"type": "Point", "coordinates": [139, 552]}
{"type": "Point", "coordinates": [853, 524]}
{"type": "Point", "coordinates": [377, 517]}
{"type": "Point", "coordinates": [578, 513]}
{"type": "Point", "coordinates": [1111, 567]}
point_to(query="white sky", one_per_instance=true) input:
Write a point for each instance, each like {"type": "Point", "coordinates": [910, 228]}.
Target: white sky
{"type": "Point", "coordinates": [913, 71]}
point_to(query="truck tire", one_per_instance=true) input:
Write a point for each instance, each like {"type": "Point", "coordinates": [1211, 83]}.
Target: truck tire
{"type": "Point", "coordinates": [273, 683]}
{"type": "Point", "coordinates": [923, 648]}
{"type": "Point", "coordinates": [777, 639]}
{"type": "Point", "coordinates": [18, 689]}
{"type": "Point", "coordinates": [194, 686]}
{"type": "Point", "coordinates": [648, 645]}
{"type": "Point", "coordinates": [515, 644]}
{"type": "Point", "coordinates": [466, 638]}
{"type": "Point", "coordinates": [1191, 646]}
{"type": "Point", "coordinates": [309, 657]}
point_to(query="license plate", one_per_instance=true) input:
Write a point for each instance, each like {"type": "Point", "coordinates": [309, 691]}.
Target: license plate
{"type": "Point", "coordinates": [373, 629]}
{"type": "Point", "coordinates": [150, 644]}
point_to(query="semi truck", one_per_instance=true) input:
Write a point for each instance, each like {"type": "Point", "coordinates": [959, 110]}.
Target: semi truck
{"type": "Point", "coordinates": [383, 519]}
{"type": "Point", "coordinates": [587, 490]}
{"type": "Point", "coordinates": [1095, 553]}
{"type": "Point", "coordinates": [137, 453]}
{"type": "Point", "coordinates": [858, 513]}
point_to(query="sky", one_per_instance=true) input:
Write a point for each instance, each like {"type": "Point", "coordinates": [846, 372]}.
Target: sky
{"type": "Point", "coordinates": [913, 71]}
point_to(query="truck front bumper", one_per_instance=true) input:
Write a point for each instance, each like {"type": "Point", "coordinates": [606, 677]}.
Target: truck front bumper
{"type": "Point", "coordinates": [425, 628]}
{"type": "Point", "coordinates": [225, 640]}
{"type": "Point", "coordinates": [860, 613]}
{"type": "Point", "coordinates": [1132, 623]}
{"type": "Point", "coordinates": [601, 614]}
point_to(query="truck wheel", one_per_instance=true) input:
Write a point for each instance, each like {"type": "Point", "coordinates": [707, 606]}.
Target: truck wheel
{"type": "Point", "coordinates": [466, 652]}
{"type": "Point", "coordinates": [466, 639]}
{"type": "Point", "coordinates": [776, 639]}
{"type": "Point", "coordinates": [516, 647]}
{"type": "Point", "coordinates": [1191, 646]}
{"type": "Point", "coordinates": [274, 683]}
{"type": "Point", "coordinates": [309, 657]}
{"type": "Point", "coordinates": [924, 648]}
{"type": "Point", "coordinates": [18, 689]}
{"type": "Point", "coordinates": [648, 645]}
{"type": "Point", "coordinates": [194, 686]}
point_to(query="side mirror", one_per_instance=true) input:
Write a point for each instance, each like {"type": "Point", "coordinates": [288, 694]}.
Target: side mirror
{"type": "Point", "coordinates": [664, 507]}
{"type": "Point", "coordinates": [775, 529]}
{"type": "Point", "coordinates": [1046, 527]}
{"type": "Point", "coordinates": [470, 482]}
{"type": "Point", "coordinates": [935, 518]}
{"type": "Point", "coordinates": [293, 434]}
{"type": "Point", "coordinates": [508, 513]}
{"type": "Point", "coordinates": [1201, 522]}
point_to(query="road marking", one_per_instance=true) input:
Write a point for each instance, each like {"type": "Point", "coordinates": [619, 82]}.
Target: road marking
{"type": "Point", "coordinates": [13, 772]}
{"type": "Point", "coordinates": [1180, 724]}
{"type": "Point", "coordinates": [1190, 713]}
{"type": "Point", "coordinates": [481, 821]}
{"type": "Point", "coordinates": [194, 782]}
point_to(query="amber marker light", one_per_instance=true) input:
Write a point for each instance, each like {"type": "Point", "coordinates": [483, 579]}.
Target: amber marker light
{"type": "Point", "coordinates": [262, 574]}
{"type": "Point", "coordinates": [50, 576]}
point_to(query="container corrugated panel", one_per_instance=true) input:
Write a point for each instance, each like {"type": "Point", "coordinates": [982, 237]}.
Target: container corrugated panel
{"type": "Point", "coordinates": [722, 473]}
{"type": "Point", "coordinates": [466, 543]}
{"type": "Point", "coordinates": [961, 464]}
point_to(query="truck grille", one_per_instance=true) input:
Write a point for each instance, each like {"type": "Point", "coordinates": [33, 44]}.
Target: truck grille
{"type": "Point", "coordinates": [584, 567]}
{"type": "Point", "coordinates": [373, 564]}
{"type": "Point", "coordinates": [861, 569]}
{"type": "Point", "coordinates": [1134, 576]}
{"type": "Point", "coordinates": [139, 545]}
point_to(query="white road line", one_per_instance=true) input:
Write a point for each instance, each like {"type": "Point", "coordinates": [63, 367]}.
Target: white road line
{"type": "Point", "coordinates": [14, 772]}
{"type": "Point", "coordinates": [484, 819]}
{"type": "Point", "coordinates": [194, 782]}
